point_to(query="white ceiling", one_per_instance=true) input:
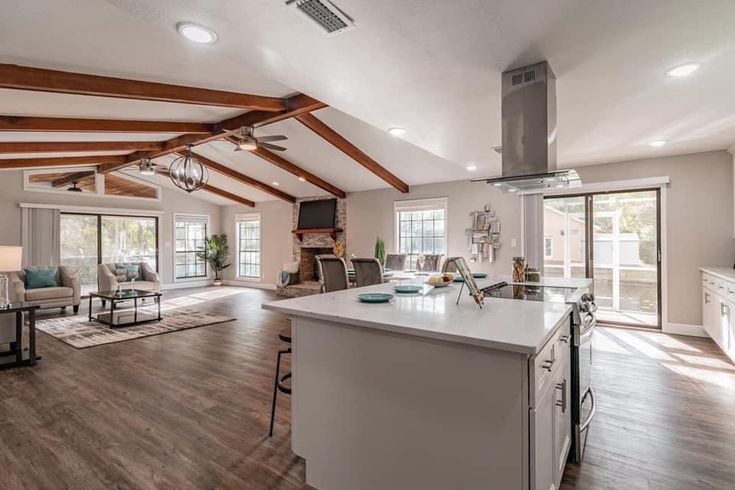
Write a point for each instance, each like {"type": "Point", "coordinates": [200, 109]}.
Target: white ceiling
{"type": "Point", "coordinates": [431, 67]}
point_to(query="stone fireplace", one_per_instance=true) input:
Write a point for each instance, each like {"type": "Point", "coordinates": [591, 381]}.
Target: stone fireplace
{"type": "Point", "coordinates": [307, 245]}
{"type": "Point", "coordinates": [308, 269]}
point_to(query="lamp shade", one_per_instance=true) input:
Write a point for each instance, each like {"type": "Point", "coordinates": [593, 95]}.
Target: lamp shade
{"type": "Point", "coordinates": [11, 258]}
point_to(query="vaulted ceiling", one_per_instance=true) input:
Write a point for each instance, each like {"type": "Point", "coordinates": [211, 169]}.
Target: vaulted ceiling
{"type": "Point", "coordinates": [432, 70]}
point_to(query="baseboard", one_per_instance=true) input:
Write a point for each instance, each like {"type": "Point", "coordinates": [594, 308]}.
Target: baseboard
{"type": "Point", "coordinates": [187, 284]}
{"type": "Point", "coordinates": [685, 329]}
{"type": "Point", "coordinates": [249, 284]}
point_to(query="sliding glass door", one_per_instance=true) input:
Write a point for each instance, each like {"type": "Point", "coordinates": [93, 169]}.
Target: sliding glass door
{"type": "Point", "coordinates": [129, 239]}
{"type": "Point", "coordinates": [91, 239]}
{"type": "Point", "coordinates": [624, 258]}
{"type": "Point", "coordinates": [80, 247]}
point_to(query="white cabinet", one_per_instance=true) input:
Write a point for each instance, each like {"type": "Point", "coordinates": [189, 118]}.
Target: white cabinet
{"type": "Point", "coordinates": [718, 312]}
{"type": "Point", "coordinates": [562, 419]}
{"type": "Point", "coordinates": [543, 417]}
{"type": "Point", "coordinates": [551, 418]}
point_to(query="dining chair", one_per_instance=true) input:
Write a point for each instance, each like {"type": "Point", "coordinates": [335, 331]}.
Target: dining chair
{"type": "Point", "coordinates": [450, 265]}
{"type": "Point", "coordinates": [332, 273]}
{"type": "Point", "coordinates": [367, 272]}
{"type": "Point", "coordinates": [396, 262]}
{"type": "Point", "coordinates": [429, 262]}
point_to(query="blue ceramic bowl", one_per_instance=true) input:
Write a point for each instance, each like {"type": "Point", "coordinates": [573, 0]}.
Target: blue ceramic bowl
{"type": "Point", "coordinates": [407, 288]}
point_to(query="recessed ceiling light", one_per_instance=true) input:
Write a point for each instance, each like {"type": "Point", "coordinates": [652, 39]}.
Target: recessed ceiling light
{"type": "Point", "coordinates": [276, 184]}
{"type": "Point", "coordinates": [657, 143]}
{"type": "Point", "coordinates": [301, 179]}
{"type": "Point", "coordinates": [471, 168]}
{"type": "Point", "coordinates": [683, 70]}
{"type": "Point", "coordinates": [397, 131]}
{"type": "Point", "coordinates": [197, 33]}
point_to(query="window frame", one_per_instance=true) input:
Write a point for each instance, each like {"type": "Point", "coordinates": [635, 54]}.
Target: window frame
{"type": "Point", "coordinates": [420, 205]}
{"type": "Point", "coordinates": [207, 231]}
{"type": "Point", "coordinates": [242, 218]}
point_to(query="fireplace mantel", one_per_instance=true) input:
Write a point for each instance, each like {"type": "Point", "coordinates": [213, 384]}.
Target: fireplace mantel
{"type": "Point", "coordinates": [330, 231]}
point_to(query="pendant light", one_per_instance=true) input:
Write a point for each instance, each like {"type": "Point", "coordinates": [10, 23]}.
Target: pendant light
{"type": "Point", "coordinates": [188, 173]}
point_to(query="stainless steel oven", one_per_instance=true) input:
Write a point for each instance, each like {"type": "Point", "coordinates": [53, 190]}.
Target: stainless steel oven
{"type": "Point", "coordinates": [582, 391]}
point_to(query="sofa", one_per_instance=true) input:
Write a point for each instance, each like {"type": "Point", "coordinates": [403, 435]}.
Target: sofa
{"type": "Point", "coordinates": [110, 276]}
{"type": "Point", "coordinates": [67, 291]}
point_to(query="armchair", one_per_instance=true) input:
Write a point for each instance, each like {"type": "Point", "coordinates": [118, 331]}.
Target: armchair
{"type": "Point", "coordinates": [108, 280]}
{"type": "Point", "coordinates": [67, 293]}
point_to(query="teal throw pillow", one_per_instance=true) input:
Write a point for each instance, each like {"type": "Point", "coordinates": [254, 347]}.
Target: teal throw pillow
{"type": "Point", "coordinates": [132, 271]}
{"type": "Point", "coordinates": [39, 277]}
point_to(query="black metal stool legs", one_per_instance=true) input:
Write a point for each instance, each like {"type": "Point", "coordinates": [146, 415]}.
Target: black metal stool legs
{"type": "Point", "coordinates": [278, 386]}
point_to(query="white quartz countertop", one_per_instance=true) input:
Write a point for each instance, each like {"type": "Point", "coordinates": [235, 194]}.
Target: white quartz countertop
{"type": "Point", "coordinates": [725, 273]}
{"type": "Point", "coordinates": [504, 324]}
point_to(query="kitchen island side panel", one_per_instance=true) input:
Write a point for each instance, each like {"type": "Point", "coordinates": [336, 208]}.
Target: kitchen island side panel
{"type": "Point", "coordinates": [374, 409]}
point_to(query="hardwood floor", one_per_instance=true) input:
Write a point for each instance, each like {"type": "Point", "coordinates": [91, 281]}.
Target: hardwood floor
{"type": "Point", "coordinates": [190, 409]}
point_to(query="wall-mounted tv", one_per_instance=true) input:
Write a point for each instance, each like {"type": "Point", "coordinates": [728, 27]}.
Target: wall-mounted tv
{"type": "Point", "coordinates": [317, 214]}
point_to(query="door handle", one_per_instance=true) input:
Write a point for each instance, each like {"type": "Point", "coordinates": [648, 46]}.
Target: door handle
{"type": "Point", "coordinates": [563, 402]}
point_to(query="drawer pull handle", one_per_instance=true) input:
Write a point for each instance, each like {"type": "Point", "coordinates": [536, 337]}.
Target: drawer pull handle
{"type": "Point", "coordinates": [563, 402]}
{"type": "Point", "coordinates": [564, 338]}
{"type": "Point", "coordinates": [547, 365]}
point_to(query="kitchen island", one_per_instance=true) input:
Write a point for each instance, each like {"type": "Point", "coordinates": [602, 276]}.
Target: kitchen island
{"type": "Point", "coordinates": [424, 393]}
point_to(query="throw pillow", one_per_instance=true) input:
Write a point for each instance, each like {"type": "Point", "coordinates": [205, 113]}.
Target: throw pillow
{"type": "Point", "coordinates": [132, 271]}
{"type": "Point", "coordinates": [41, 277]}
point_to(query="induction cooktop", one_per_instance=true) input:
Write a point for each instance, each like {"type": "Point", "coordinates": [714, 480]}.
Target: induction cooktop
{"type": "Point", "coordinates": [530, 293]}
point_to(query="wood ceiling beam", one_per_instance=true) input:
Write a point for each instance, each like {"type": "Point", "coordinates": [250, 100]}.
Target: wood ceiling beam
{"type": "Point", "coordinates": [220, 192]}
{"type": "Point", "coordinates": [294, 169]}
{"type": "Point", "coordinates": [72, 146]}
{"type": "Point", "coordinates": [64, 82]}
{"type": "Point", "coordinates": [342, 144]}
{"type": "Point", "coordinates": [72, 177]}
{"type": "Point", "coordinates": [295, 105]}
{"type": "Point", "coordinates": [60, 161]}
{"type": "Point", "coordinates": [78, 125]}
{"type": "Point", "coordinates": [244, 179]}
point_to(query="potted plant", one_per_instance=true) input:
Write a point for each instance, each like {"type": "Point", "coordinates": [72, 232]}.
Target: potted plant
{"type": "Point", "coordinates": [215, 253]}
{"type": "Point", "coordinates": [380, 250]}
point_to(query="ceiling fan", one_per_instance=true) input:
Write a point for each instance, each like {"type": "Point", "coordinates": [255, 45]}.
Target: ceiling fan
{"type": "Point", "coordinates": [74, 188]}
{"type": "Point", "coordinates": [244, 139]}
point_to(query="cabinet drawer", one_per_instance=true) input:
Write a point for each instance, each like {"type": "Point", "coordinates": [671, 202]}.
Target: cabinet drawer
{"type": "Point", "coordinates": [543, 367]}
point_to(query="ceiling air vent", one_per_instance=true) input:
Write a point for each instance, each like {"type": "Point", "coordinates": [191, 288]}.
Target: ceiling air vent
{"type": "Point", "coordinates": [326, 14]}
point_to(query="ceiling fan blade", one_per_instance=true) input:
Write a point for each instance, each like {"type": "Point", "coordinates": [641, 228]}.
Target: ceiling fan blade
{"type": "Point", "coordinates": [272, 147]}
{"type": "Point", "coordinates": [279, 137]}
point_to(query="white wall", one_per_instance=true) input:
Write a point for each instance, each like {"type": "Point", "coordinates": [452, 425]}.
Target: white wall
{"type": "Point", "coordinates": [12, 194]}
{"type": "Point", "coordinates": [699, 219]}
{"type": "Point", "coordinates": [275, 234]}
{"type": "Point", "coordinates": [370, 214]}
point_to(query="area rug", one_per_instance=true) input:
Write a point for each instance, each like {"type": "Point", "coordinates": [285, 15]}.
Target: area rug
{"type": "Point", "coordinates": [79, 332]}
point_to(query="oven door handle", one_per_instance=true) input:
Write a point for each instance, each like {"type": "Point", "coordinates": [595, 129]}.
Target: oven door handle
{"type": "Point", "coordinates": [589, 393]}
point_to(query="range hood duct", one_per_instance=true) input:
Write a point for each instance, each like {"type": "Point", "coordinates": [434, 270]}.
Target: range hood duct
{"type": "Point", "coordinates": [529, 132]}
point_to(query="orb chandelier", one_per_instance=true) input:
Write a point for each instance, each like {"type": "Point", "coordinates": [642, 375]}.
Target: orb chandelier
{"type": "Point", "coordinates": [188, 173]}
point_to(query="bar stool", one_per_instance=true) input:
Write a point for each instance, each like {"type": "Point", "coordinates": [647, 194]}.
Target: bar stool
{"type": "Point", "coordinates": [280, 382]}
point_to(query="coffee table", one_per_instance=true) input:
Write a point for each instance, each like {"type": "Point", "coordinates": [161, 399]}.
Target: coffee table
{"type": "Point", "coordinates": [127, 316]}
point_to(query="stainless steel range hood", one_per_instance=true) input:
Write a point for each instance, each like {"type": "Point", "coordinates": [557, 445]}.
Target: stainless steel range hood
{"type": "Point", "coordinates": [529, 132]}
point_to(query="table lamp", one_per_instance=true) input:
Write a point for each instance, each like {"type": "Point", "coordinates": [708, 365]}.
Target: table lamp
{"type": "Point", "coordinates": [10, 260]}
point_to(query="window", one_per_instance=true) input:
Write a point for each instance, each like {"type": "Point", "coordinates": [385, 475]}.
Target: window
{"type": "Point", "coordinates": [248, 246]}
{"type": "Point", "coordinates": [90, 239]}
{"type": "Point", "coordinates": [421, 228]}
{"type": "Point", "coordinates": [548, 247]}
{"type": "Point", "coordinates": [189, 235]}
